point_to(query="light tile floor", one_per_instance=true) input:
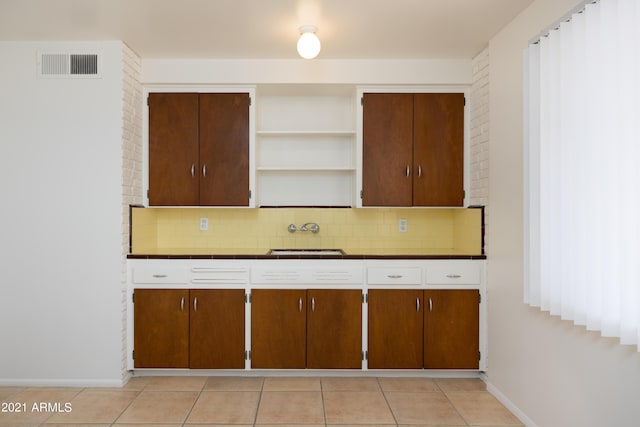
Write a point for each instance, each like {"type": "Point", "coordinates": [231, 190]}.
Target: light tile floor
{"type": "Point", "coordinates": [260, 402]}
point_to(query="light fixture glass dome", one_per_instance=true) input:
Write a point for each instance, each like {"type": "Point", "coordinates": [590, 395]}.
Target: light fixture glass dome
{"type": "Point", "coordinates": [308, 43]}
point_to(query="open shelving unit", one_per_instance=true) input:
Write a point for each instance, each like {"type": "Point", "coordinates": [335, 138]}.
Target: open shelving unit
{"type": "Point", "coordinates": [305, 145]}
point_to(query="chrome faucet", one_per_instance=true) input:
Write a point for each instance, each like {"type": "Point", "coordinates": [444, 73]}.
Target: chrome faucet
{"type": "Point", "coordinates": [309, 226]}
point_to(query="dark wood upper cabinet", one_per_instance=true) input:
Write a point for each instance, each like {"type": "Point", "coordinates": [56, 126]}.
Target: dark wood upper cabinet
{"type": "Point", "coordinates": [224, 149]}
{"type": "Point", "coordinates": [387, 149]}
{"type": "Point", "coordinates": [413, 149]}
{"type": "Point", "coordinates": [198, 149]}
{"type": "Point", "coordinates": [438, 149]}
{"type": "Point", "coordinates": [174, 162]}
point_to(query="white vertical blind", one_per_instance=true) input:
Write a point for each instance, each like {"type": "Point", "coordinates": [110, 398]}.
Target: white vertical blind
{"type": "Point", "coordinates": [582, 165]}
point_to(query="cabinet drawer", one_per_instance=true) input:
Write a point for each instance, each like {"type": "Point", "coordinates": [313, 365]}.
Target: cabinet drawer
{"type": "Point", "coordinates": [160, 275]}
{"type": "Point", "coordinates": [453, 273]}
{"type": "Point", "coordinates": [305, 275]}
{"type": "Point", "coordinates": [222, 275]}
{"type": "Point", "coordinates": [394, 275]}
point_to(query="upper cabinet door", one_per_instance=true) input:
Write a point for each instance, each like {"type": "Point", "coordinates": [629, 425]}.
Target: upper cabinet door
{"type": "Point", "coordinates": [199, 149]}
{"type": "Point", "coordinates": [224, 149]}
{"type": "Point", "coordinates": [387, 149]}
{"type": "Point", "coordinates": [413, 149]}
{"type": "Point", "coordinates": [438, 158]}
{"type": "Point", "coordinates": [173, 149]}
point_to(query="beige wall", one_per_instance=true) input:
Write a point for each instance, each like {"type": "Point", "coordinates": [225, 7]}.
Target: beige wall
{"type": "Point", "coordinates": [552, 372]}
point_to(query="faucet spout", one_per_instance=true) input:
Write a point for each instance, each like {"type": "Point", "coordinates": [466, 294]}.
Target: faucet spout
{"type": "Point", "coordinates": [309, 226]}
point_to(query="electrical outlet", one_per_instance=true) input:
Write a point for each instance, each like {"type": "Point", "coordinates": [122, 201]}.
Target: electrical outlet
{"type": "Point", "coordinates": [204, 224]}
{"type": "Point", "coordinates": [402, 225]}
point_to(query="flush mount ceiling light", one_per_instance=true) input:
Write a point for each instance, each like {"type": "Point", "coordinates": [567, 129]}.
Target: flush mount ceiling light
{"type": "Point", "coordinates": [308, 43]}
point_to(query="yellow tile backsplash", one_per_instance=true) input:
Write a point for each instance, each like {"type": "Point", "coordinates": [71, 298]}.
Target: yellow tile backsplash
{"type": "Point", "coordinates": [370, 231]}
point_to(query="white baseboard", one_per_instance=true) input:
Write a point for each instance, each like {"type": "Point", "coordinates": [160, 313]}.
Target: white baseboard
{"type": "Point", "coordinates": [528, 422]}
{"type": "Point", "coordinates": [24, 382]}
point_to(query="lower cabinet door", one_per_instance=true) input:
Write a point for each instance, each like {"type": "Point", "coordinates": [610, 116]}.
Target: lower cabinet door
{"type": "Point", "coordinates": [216, 332]}
{"type": "Point", "coordinates": [161, 328]}
{"type": "Point", "coordinates": [278, 328]}
{"type": "Point", "coordinates": [334, 329]}
{"type": "Point", "coordinates": [395, 329]}
{"type": "Point", "coordinates": [451, 329]}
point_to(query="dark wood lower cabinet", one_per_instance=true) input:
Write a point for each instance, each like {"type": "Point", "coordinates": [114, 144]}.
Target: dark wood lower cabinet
{"type": "Point", "coordinates": [278, 328]}
{"type": "Point", "coordinates": [182, 328]}
{"type": "Point", "coordinates": [451, 329]}
{"type": "Point", "coordinates": [395, 329]}
{"type": "Point", "coordinates": [297, 329]}
{"type": "Point", "coordinates": [216, 333]}
{"type": "Point", "coordinates": [334, 329]}
{"type": "Point", "coordinates": [431, 329]}
{"type": "Point", "coordinates": [161, 328]}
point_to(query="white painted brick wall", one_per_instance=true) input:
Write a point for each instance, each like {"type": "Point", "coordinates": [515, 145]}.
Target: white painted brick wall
{"type": "Point", "coordinates": [131, 167]}
{"type": "Point", "coordinates": [479, 162]}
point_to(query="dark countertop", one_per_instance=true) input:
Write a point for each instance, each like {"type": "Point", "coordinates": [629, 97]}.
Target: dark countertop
{"type": "Point", "coordinates": [289, 257]}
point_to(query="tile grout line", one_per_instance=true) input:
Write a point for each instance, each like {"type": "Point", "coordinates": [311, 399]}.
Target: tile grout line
{"type": "Point", "coordinates": [184, 422]}
{"type": "Point", "coordinates": [255, 417]}
{"type": "Point", "coordinates": [451, 403]}
{"type": "Point", "coordinates": [384, 395]}
{"type": "Point", "coordinates": [324, 411]}
{"type": "Point", "coordinates": [130, 403]}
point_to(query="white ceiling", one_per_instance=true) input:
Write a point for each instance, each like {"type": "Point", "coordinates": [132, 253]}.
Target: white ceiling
{"type": "Point", "coordinates": [372, 29]}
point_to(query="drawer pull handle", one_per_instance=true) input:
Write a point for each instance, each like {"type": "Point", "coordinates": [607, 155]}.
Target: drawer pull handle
{"type": "Point", "coordinates": [454, 276]}
{"type": "Point", "coordinates": [407, 171]}
{"type": "Point", "coordinates": [195, 304]}
{"type": "Point", "coordinates": [182, 305]}
{"type": "Point", "coordinates": [430, 305]}
{"type": "Point", "coordinates": [159, 276]}
{"type": "Point", "coordinates": [394, 276]}
{"type": "Point", "coordinates": [300, 305]}
{"type": "Point", "coordinates": [313, 304]}
{"type": "Point", "coordinates": [204, 170]}
{"type": "Point", "coordinates": [193, 170]}
{"type": "Point", "coordinates": [417, 304]}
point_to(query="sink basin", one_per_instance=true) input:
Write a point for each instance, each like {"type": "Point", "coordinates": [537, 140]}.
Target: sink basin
{"type": "Point", "coordinates": [306, 252]}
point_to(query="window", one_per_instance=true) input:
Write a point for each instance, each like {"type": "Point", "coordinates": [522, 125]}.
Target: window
{"type": "Point", "coordinates": [582, 166]}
